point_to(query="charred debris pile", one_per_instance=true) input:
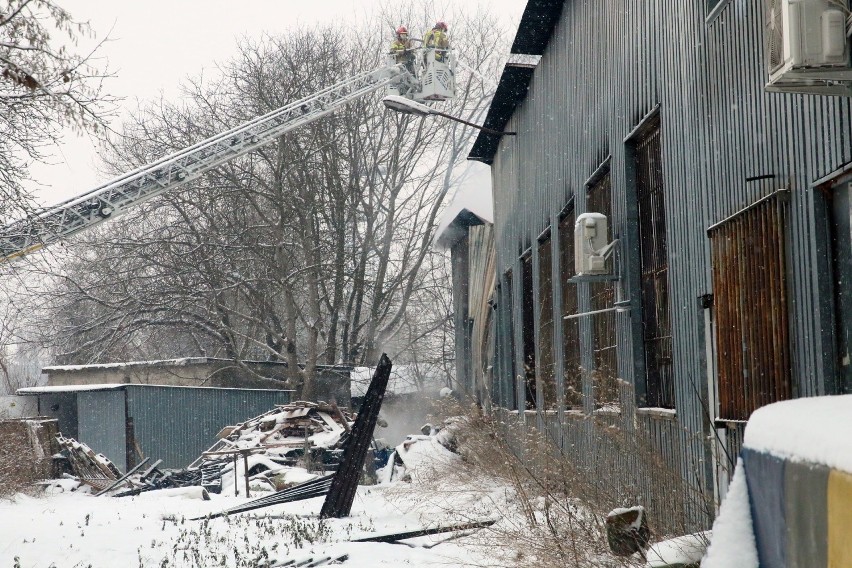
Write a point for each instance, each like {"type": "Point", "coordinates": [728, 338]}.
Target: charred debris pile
{"type": "Point", "coordinates": [256, 453]}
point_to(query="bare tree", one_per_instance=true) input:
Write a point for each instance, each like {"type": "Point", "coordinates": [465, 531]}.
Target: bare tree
{"type": "Point", "coordinates": [44, 86]}
{"type": "Point", "coordinates": [314, 249]}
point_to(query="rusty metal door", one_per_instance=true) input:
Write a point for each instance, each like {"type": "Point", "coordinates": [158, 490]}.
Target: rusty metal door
{"type": "Point", "coordinates": [753, 357]}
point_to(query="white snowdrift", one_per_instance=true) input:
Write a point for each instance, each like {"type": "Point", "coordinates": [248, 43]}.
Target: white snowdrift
{"type": "Point", "coordinates": [733, 541]}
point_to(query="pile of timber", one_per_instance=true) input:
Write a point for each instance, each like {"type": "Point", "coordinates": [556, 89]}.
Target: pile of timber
{"type": "Point", "coordinates": [95, 470]}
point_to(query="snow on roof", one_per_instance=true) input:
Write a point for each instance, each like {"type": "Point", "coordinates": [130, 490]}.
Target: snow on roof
{"type": "Point", "coordinates": [473, 196]}
{"type": "Point", "coordinates": [117, 386]}
{"type": "Point", "coordinates": [70, 388]}
{"type": "Point", "coordinates": [179, 362]}
{"type": "Point", "coordinates": [404, 379]}
{"type": "Point", "coordinates": [159, 363]}
{"type": "Point", "coordinates": [813, 429]}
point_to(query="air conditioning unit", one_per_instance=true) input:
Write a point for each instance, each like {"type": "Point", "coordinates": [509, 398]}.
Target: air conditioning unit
{"type": "Point", "coordinates": [591, 247]}
{"type": "Point", "coordinates": [808, 47]}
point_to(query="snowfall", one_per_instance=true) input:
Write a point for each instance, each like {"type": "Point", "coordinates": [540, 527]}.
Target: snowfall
{"type": "Point", "coordinates": [67, 526]}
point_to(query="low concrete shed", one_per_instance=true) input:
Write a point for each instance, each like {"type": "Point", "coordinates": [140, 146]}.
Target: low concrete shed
{"type": "Point", "coordinates": [127, 422]}
{"type": "Point", "coordinates": [332, 381]}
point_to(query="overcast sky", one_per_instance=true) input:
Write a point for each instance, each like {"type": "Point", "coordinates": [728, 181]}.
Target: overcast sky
{"type": "Point", "coordinates": [155, 44]}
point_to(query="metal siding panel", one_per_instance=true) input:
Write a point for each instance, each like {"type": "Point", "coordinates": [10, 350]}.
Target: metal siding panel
{"type": "Point", "coordinates": [606, 66]}
{"type": "Point", "coordinates": [176, 424]}
{"type": "Point", "coordinates": [101, 424]}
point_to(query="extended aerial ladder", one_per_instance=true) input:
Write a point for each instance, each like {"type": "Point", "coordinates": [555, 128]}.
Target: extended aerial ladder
{"type": "Point", "coordinates": [432, 80]}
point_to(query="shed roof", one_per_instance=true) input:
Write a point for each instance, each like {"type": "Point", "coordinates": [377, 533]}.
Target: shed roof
{"type": "Point", "coordinates": [537, 24]}
{"type": "Point", "coordinates": [534, 32]}
{"type": "Point", "coordinates": [472, 205]}
{"type": "Point", "coordinates": [512, 89]}
{"type": "Point", "coordinates": [404, 379]}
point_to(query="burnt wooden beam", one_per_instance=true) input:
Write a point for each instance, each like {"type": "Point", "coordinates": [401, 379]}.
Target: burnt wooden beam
{"type": "Point", "coordinates": [338, 502]}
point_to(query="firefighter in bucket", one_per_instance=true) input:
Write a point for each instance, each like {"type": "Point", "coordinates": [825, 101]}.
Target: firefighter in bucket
{"type": "Point", "coordinates": [437, 39]}
{"type": "Point", "coordinates": [400, 48]}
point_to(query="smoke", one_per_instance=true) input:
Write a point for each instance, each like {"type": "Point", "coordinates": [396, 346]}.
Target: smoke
{"type": "Point", "coordinates": [406, 414]}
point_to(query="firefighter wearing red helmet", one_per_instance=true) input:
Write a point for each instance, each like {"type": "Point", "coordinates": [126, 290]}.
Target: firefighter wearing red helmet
{"type": "Point", "coordinates": [400, 48]}
{"type": "Point", "coordinates": [437, 39]}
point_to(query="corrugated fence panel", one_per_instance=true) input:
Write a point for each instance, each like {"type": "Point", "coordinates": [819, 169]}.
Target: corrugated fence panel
{"type": "Point", "coordinates": [101, 424]}
{"type": "Point", "coordinates": [176, 424]}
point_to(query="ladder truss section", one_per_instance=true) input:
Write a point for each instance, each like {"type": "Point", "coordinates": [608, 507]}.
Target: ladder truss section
{"type": "Point", "coordinates": [118, 195]}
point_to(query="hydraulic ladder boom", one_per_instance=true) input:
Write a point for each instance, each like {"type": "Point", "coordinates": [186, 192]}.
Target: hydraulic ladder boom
{"type": "Point", "coordinates": [118, 195]}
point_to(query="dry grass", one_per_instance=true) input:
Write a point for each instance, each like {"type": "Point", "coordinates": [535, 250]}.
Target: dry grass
{"type": "Point", "coordinates": [556, 513]}
{"type": "Point", "coordinates": [26, 447]}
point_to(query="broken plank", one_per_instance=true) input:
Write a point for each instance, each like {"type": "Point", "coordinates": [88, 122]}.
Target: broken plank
{"type": "Point", "coordinates": [393, 537]}
{"type": "Point", "coordinates": [123, 477]}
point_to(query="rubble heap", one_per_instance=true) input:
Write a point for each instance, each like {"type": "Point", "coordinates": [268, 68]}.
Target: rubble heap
{"type": "Point", "coordinates": [285, 432]}
{"type": "Point", "coordinates": [260, 451]}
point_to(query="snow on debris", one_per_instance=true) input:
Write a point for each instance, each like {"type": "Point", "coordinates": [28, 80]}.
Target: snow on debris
{"type": "Point", "coordinates": [733, 542]}
{"type": "Point", "coordinates": [814, 429]}
{"type": "Point", "coordinates": [68, 526]}
{"type": "Point", "coordinates": [686, 549]}
{"type": "Point", "coordinates": [417, 457]}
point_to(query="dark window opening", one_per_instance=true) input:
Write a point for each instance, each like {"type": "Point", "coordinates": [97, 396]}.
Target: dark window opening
{"type": "Point", "coordinates": [528, 331]}
{"type": "Point", "coordinates": [841, 248]}
{"type": "Point", "coordinates": [545, 327]}
{"type": "Point", "coordinates": [573, 375]}
{"type": "Point", "coordinates": [460, 260]}
{"type": "Point", "coordinates": [750, 302]}
{"type": "Point", "coordinates": [656, 317]}
{"type": "Point", "coordinates": [602, 296]}
{"type": "Point", "coordinates": [509, 342]}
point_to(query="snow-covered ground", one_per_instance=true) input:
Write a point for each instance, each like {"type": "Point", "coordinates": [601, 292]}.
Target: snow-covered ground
{"type": "Point", "coordinates": [65, 529]}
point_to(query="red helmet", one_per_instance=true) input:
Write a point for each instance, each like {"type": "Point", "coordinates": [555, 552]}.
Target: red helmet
{"type": "Point", "coordinates": [401, 30]}
{"type": "Point", "coordinates": [441, 25]}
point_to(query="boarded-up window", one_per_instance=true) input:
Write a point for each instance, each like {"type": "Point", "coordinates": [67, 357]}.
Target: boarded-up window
{"type": "Point", "coordinates": [750, 299]}
{"type": "Point", "coordinates": [605, 374]}
{"type": "Point", "coordinates": [545, 324]}
{"type": "Point", "coordinates": [656, 319]}
{"type": "Point", "coordinates": [570, 327]}
{"type": "Point", "coordinates": [528, 331]}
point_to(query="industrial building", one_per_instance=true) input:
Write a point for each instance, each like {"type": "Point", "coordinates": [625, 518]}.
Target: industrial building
{"type": "Point", "coordinates": [727, 207]}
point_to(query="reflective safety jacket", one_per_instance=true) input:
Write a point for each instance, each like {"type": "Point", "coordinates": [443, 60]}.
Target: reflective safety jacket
{"type": "Point", "coordinates": [436, 38]}
{"type": "Point", "coordinates": [399, 45]}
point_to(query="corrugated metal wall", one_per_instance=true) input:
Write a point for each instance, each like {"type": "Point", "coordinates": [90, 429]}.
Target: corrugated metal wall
{"type": "Point", "coordinates": [609, 65]}
{"type": "Point", "coordinates": [176, 424]}
{"type": "Point", "coordinates": [101, 424]}
{"type": "Point", "coordinates": [63, 407]}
